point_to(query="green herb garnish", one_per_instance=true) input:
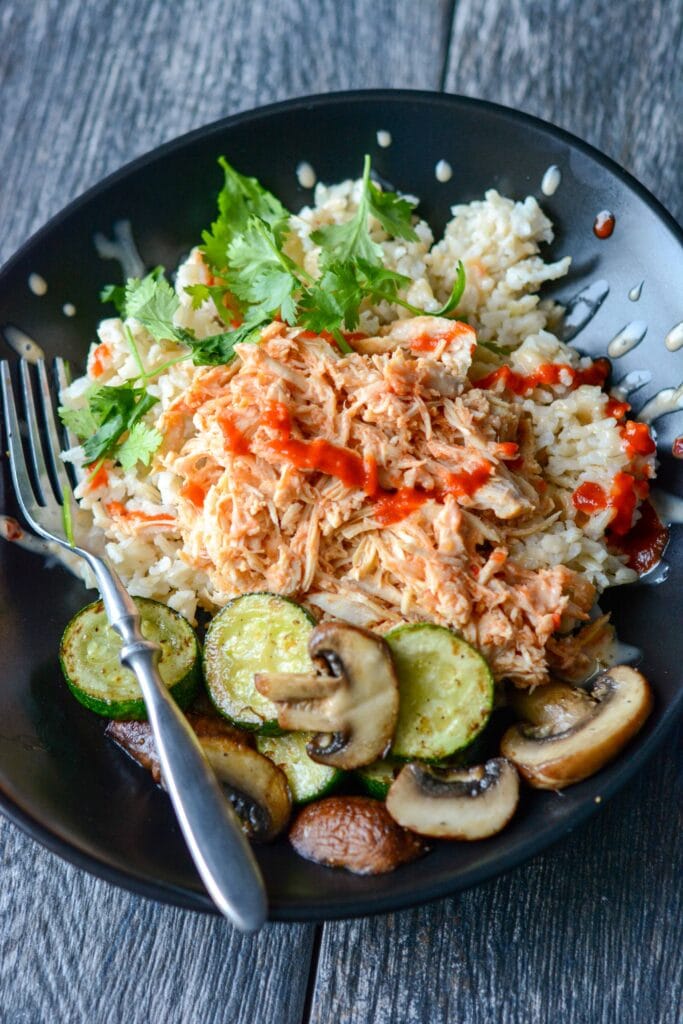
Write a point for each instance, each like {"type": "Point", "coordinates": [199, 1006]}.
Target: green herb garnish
{"type": "Point", "coordinates": [110, 426]}
{"type": "Point", "coordinates": [245, 252]}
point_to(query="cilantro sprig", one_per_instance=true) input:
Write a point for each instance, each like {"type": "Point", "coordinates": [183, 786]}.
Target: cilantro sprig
{"type": "Point", "coordinates": [246, 250]}
{"type": "Point", "coordinates": [110, 425]}
{"type": "Point", "coordinates": [253, 275]}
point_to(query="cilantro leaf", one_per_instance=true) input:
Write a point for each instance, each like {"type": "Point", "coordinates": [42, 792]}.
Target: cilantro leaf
{"type": "Point", "coordinates": [80, 421]}
{"type": "Point", "coordinates": [200, 293]}
{"type": "Point", "coordinates": [378, 282]}
{"type": "Point", "coordinates": [333, 300]}
{"type": "Point", "coordinates": [240, 199]}
{"type": "Point", "coordinates": [115, 293]}
{"type": "Point", "coordinates": [262, 276]}
{"type": "Point", "coordinates": [139, 446]}
{"type": "Point", "coordinates": [394, 212]}
{"type": "Point", "coordinates": [115, 411]}
{"type": "Point", "coordinates": [220, 348]}
{"type": "Point", "coordinates": [153, 303]}
{"type": "Point", "coordinates": [351, 240]}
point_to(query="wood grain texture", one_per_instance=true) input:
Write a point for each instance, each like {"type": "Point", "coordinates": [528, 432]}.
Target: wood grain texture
{"type": "Point", "coordinates": [588, 932]}
{"type": "Point", "coordinates": [88, 87]}
{"type": "Point", "coordinates": [609, 72]}
{"type": "Point", "coordinates": [79, 951]}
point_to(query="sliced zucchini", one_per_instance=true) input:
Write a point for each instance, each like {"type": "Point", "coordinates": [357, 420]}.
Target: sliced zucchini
{"type": "Point", "coordinates": [89, 656]}
{"type": "Point", "coordinates": [446, 692]}
{"type": "Point", "coordinates": [377, 778]}
{"type": "Point", "coordinates": [254, 633]}
{"type": "Point", "coordinates": [307, 779]}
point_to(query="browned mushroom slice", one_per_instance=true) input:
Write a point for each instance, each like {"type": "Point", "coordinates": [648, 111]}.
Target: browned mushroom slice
{"type": "Point", "coordinates": [570, 733]}
{"type": "Point", "coordinates": [353, 832]}
{"type": "Point", "coordinates": [455, 803]}
{"type": "Point", "coordinates": [353, 707]}
{"type": "Point", "coordinates": [257, 788]}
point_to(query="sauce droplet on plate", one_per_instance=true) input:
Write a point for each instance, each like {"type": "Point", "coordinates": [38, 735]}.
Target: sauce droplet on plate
{"type": "Point", "coordinates": [603, 225]}
{"type": "Point", "coordinates": [551, 180]}
{"type": "Point", "coordinates": [582, 308]}
{"type": "Point", "coordinates": [644, 543]}
{"type": "Point", "coordinates": [68, 309]}
{"type": "Point", "coordinates": [635, 292]}
{"type": "Point", "coordinates": [627, 338]}
{"type": "Point", "coordinates": [674, 339]}
{"type": "Point", "coordinates": [22, 344]}
{"type": "Point", "coordinates": [666, 401]}
{"type": "Point", "coordinates": [631, 382]}
{"type": "Point", "coordinates": [383, 138]}
{"type": "Point", "coordinates": [37, 284]}
{"type": "Point", "coordinates": [122, 248]}
{"type": "Point", "coordinates": [305, 175]}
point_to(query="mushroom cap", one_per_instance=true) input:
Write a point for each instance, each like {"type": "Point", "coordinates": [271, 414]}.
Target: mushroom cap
{"type": "Point", "coordinates": [352, 709]}
{"type": "Point", "coordinates": [353, 832]}
{"type": "Point", "coordinates": [258, 788]}
{"type": "Point", "coordinates": [367, 701]}
{"type": "Point", "coordinates": [573, 733]}
{"type": "Point", "coordinates": [452, 803]}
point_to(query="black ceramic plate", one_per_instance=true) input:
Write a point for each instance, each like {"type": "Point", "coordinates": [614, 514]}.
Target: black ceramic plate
{"type": "Point", "coordinates": [60, 779]}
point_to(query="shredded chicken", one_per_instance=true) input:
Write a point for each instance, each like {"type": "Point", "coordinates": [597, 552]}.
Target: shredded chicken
{"type": "Point", "coordinates": [254, 516]}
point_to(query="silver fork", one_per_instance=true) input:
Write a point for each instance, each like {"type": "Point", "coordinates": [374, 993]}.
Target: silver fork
{"type": "Point", "coordinates": [211, 828]}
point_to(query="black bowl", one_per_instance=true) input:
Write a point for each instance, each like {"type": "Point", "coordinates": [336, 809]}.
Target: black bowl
{"type": "Point", "coordinates": [60, 779]}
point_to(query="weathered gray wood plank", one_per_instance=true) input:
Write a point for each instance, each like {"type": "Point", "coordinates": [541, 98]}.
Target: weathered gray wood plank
{"type": "Point", "coordinates": [588, 932]}
{"type": "Point", "coordinates": [608, 72]}
{"type": "Point", "coordinates": [74, 949]}
{"type": "Point", "coordinates": [85, 88]}
{"type": "Point", "coordinates": [591, 930]}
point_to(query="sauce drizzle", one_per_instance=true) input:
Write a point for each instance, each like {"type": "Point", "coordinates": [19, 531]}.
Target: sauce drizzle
{"type": "Point", "coordinates": [547, 374]}
{"type": "Point", "coordinates": [603, 225]}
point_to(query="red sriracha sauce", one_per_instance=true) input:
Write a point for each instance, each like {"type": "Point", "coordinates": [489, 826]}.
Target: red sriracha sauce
{"type": "Point", "coordinates": [393, 507]}
{"type": "Point", "coordinates": [429, 342]}
{"type": "Point", "coordinates": [235, 441]}
{"type": "Point", "coordinates": [589, 498]}
{"type": "Point", "coordinates": [319, 455]}
{"type": "Point", "coordinates": [603, 225]}
{"type": "Point", "coordinates": [644, 544]}
{"type": "Point", "coordinates": [468, 481]}
{"type": "Point", "coordinates": [637, 438]}
{"type": "Point", "coordinates": [616, 409]}
{"type": "Point", "coordinates": [623, 500]}
{"type": "Point", "coordinates": [194, 493]}
{"type": "Point", "coordinates": [548, 374]}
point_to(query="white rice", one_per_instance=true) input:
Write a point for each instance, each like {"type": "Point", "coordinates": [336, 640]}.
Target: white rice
{"type": "Point", "coordinates": [499, 242]}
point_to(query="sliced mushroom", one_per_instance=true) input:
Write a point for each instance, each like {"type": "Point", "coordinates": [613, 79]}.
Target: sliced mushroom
{"type": "Point", "coordinates": [570, 733]}
{"type": "Point", "coordinates": [452, 803]}
{"type": "Point", "coordinates": [353, 707]}
{"type": "Point", "coordinates": [353, 832]}
{"type": "Point", "coordinates": [257, 788]}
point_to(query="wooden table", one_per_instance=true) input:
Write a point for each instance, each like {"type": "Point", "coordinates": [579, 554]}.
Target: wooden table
{"type": "Point", "coordinates": [591, 930]}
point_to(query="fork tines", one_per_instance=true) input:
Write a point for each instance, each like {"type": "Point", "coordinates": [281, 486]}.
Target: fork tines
{"type": "Point", "coordinates": [40, 494]}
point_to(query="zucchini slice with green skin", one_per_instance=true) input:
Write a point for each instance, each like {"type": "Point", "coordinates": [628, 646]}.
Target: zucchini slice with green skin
{"type": "Point", "coordinates": [254, 633]}
{"type": "Point", "coordinates": [307, 779]}
{"type": "Point", "coordinates": [89, 656]}
{"type": "Point", "coordinates": [446, 692]}
{"type": "Point", "coordinates": [377, 778]}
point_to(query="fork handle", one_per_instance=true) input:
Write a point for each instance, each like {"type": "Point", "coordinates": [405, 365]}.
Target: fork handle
{"type": "Point", "coordinates": [211, 828]}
